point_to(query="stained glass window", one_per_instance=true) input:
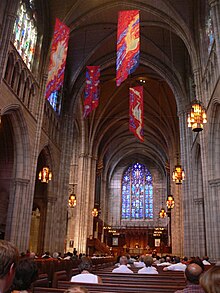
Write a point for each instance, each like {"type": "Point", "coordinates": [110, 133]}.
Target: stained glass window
{"type": "Point", "coordinates": [209, 32]}
{"type": "Point", "coordinates": [137, 193]}
{"type": "Point", "coordinates": [25, 31]}
{"type": "Point", "coordinates": [55, 100]}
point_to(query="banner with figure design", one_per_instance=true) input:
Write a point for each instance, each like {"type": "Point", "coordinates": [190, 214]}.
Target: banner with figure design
{"type": "Point", "coordinates": [91, 98]}
{"type": "Point", "coordinates": [136, 112]}
{"type": "Point", "coordinates": [57, 58]}
{"type": "Point", "coordinates": [128, 44]}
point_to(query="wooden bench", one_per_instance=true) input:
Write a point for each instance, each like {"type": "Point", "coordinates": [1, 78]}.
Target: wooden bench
{"type": "Point", "coordinates": [134, 288]}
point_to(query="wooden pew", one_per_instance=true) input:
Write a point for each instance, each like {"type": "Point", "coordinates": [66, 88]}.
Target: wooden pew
{"type": "Point", "coordinates": [134, 288]}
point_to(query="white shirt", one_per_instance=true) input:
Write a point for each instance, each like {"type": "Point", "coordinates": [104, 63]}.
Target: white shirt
{"type": "Point", "coordinates": [206, 263]}
{"type": "Point", "coordinates": [164, 264]}
{"type": "Point", "coordinates": [148, 270]}
{"type": "Point", "coordinates": [85, 278]}
{"type": "Point", "coordinates": [177, 267]}
{"type": "Point", "coordinates": [139, 264]}
{"type": "Point", "coordinates": [122, 269]}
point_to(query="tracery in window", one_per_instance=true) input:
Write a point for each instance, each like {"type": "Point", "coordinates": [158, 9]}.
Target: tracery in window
{"type": "Point", "coordinates": [209, 31]}
{"type": "Point", "coordinates": [137, 193]}
{"type": "Point", "coordinates": [55, 100]}
{"type": "Point", "coordinates": [25, 31]}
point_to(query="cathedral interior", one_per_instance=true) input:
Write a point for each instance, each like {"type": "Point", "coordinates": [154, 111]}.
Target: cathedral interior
{"type": "Point", "coordinates": [69, 181]}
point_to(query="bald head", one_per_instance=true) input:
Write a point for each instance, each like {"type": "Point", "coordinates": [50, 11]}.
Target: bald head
{"type": "Point", "coordinates": [123, 260]}
{"type": "Point", "coordinates": [193, 273]}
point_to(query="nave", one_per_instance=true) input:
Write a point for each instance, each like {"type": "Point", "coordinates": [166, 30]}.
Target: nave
{"type": "Point", "coordinates": [89, 184]}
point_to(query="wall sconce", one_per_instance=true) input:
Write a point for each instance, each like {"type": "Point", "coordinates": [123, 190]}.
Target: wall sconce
{"type": "Point", "coordinates": [162, 213]}
{"type": "Point", "coordinates": [178, 174]}
{"type": "Point", "coordinates": [170, 202]}
{"type": "Point", "coordinates": [45, 175]}
{"type": "Point", "coordinates": [95, 212]}
{"type": "Point", "coordinates": [72, 200]}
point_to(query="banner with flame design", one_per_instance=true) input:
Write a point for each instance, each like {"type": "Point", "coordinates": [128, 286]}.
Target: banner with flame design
{"type": "Point", "coordinates": [128, 44]}
{"type": "Point", "coordinates": [57, 57]}
{"type": "Point", "coordinates": [136, 112]}
{"type": "Point", "coordinates": [91, 98]}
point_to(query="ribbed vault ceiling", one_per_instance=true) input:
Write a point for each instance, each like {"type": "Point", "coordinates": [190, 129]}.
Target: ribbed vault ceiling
{"type": "Point", "coordinates": [166, 33]}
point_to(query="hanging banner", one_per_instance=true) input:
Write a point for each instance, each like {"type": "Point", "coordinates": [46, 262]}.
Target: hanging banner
{"type": "Point", "coordinates": [57, 57]}
{"type": "Point", "coordinates": [91, 98]}
{"type": "Point", "coordinates": [136, 112]}
{"type": "Point", "coordinates": [128, 44]}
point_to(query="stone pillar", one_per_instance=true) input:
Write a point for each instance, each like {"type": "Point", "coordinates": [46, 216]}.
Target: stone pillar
{"type": "Point", "coordinates": [29, 203]}
{"type": "Point", "coordinates": [213, 220]}
{"type": "Point", "coordinates": [215, 13]}
{"type": "Point", "coordinates": [17, 230]}
{"type": "Point", "coordinates": [86, 195]}
{"type": "Point", "coordinates": [49, 240]}
{"type": "Point", "coordinates": [187, 207]}
{"type": "Point", "coordinates": [7, 30]}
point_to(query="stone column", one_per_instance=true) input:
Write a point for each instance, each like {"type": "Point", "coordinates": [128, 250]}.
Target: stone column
{"type": "Point", "coordinates": [17, 231]}
{"type": "Point", "coordinates": [213, 220]}
{"type": "Point", "coordinates": [7, 31]}
{"type": "Point", "coordinates": [50, 241]}
{"type": "Point", "coordinates": [187, 207]}
{"type": "Point", "coordinates": [86, 195]}
{"type": "Point", "coordinates": [34, 158]}
{"type": "Point", "coordinates": [215, 13]}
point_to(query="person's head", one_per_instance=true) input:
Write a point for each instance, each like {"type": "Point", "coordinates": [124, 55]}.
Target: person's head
{"type": "Point", "coordinates": [205, 258]}
{"type": "Point", "coordinates": [193, 272]}
{"type": "Point", "coordinates": [198, 261]}
{"type": "Point", "coordinates": [85, 265]}
{"type": "Point", "coordinates": [148, 260]}
{"type": "Point", "coordinates": [76, 289]}
{"type": "Point", "coordinates": [210, 280]}
{"type": "Point", "coordinates": [25, 274]}
{"type": "Point", "coordinates": [176, 259]}
{"type": "Point", "coordinates": [123, 260]}
{"type": "Point", "coordinates": [55, 255]}
{"type": "Point", "coordinates": [8, 261]}
{"type": "Point", "coordinates": [168, 259]}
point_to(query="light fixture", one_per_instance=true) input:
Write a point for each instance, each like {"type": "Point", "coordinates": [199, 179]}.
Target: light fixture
{"type": "Point", "coordinates": [72, 200]}
{"type": "Point", "coordinates": [197, 116]}
{"type": "Point", "coordinates": [95, 212]}
{"type": "Point", "coordinates": [170, 202]}
{"type": "Point", "coordinates": [162, 213]}
{"type": "Point", "coordinates": [178, 174]}
{"type": "Point", "coordinates": [45, 175]}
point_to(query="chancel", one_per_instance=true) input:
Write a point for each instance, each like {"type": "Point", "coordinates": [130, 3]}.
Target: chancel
{"type": "Point", "coordinates": [109, 127]}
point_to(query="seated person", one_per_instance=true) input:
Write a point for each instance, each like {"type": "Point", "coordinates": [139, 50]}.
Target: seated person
{"type": "Point", "coordinates": [140, 262]}
{"type": "Point", "coordinates": [25, 274]}
{"type": "Point", "coordinates": [206, 261]}
{"type": "Point", "coordinates": [85, 276]}
{"type": "Point", "coordinates": [192, 275]}
{"type": "Point", "coordinates": [177, 266]}
{"type": "Point", "coordinates": [148, 269]}
{"type": "Point", "coordinates": [123, 267]}
{"type": "Point", "coordinates": [76, 289]}
{"type": "Point", "coordinates": [210, 280]}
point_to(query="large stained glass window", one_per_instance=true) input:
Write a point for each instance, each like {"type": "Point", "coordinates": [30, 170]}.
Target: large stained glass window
{"type": "Point", "coordinates": [25, 31]}
{"type": "Point", "coordinates": [137, 193]}
{"type": "Point", "coordinates": [209, 31]}
{"type": "Point", "coordinates": [55, 100]}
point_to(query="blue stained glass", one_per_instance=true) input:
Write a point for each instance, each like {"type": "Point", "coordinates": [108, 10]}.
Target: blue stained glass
{"type": "Point", "coordinates": [55, 100]}
{"type": "Point", "coordinates": [209, 32]}
{"type": "Point", "coordinates": [137, 193]}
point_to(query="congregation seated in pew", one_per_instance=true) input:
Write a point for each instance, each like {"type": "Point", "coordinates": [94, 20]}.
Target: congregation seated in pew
{"type": "Point", "coordinates": [148, 268]}
{"type": "Point", "coordinates": [86, 276]}
{"type": "Point", "coordinates": [123, 266]}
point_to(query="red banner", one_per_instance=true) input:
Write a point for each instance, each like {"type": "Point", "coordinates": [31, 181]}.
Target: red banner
{"type": "Point", "coordinates": [91, 99]}
{"type": "Point", "coordinates": [136, 112]}
{"type": "Point", "coordinates": [57, 57]}
{"type": "Point", "coordinates": [128, 44]}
